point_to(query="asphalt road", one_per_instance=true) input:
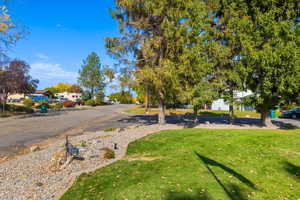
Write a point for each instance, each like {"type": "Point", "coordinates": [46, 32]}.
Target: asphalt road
{"type": "Point", "coordinates": [20, 133]}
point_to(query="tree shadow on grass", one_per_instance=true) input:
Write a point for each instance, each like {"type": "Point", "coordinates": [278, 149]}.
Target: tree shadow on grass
{"type": "Point", "coordinates": [209, 162]}
{"type": "Point", "coordinates": [292, 169]}
{"type": "Point", "coordinates": [185, 196]}
{"type": "Point", "coordinates": [233, 191]}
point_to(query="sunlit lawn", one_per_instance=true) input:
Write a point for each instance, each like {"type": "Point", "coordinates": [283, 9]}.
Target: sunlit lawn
{"type": "Point", "coordinates": [201, 164]}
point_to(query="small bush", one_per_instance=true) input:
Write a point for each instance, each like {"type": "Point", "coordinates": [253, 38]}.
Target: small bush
{"type": "Point", "coordinates": [99, 98]}
{"type": "Point", "coordinates": [40, 103]}
{"type": "Point", "coordinates": [68, 104]}
{"type": "Point", "coordinates": [80, 102]}
{"type": "Point", "coordinates": [4, 115]}
{"type": "Point", "coordinates": [83, 143]}
{"type": "Point", "coordinates": [58, 106]}
{"type": "Point", "coordinates": [109, 153]}
{"type": "Point", "coordinates": [109, 129]}
{"type": "Point", "coordinates": [121, 97]}
{"type": "Point", "coordinates": [15, 108]}
{"type": "Point", "coordinates": [90, 102]}
{"type": "Point", "coordinates": [28, 102]}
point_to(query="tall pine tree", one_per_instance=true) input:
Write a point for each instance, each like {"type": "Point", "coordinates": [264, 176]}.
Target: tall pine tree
{"type": "Point", "coordinates": [155, 33]}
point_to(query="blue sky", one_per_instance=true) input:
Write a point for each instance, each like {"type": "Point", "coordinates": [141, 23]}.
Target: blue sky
{"type": "Point", "coordinates": [62, 34]}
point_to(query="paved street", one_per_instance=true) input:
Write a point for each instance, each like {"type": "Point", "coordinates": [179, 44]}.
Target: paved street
{"type": "Point", "coordinates": [19, 133]}
{"type": "Point", "coordinates": [294, 122]}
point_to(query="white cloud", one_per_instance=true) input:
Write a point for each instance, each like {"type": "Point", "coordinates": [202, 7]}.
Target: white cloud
{"type": "Point", "coordinates": [49, 74]}
{"type": "Point", "coordinates": [42, 56]}
{"type": "Point", "coordinates": [61, 27]}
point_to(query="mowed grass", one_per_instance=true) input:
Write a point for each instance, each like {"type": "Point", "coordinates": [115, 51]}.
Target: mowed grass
{"type": "Point", "coordinates": [200, 164]}
{"type": "Point", "coordinates": [238, 113]}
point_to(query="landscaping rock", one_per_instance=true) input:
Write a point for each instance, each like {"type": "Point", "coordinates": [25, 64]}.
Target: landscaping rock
{"type": "Point", "coordinates": [58, 159]}
{"type": "Point", "coordinates": [35, 148]}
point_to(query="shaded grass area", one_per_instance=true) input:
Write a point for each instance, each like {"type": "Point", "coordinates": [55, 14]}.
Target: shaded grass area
{"type": "Point", "coordinates": [238, 113]}
{"type": "Point", "coordinates": [201, 164]}
{"type": "Point", "coordinates": [154, 111]}
{"type": "Point", "coordinates": [4, 115]}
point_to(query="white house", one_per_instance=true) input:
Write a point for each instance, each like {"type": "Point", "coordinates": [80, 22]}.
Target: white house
{"type": "Point", "coordinates": [220, 104]}
{"type": "Point", "coordinates": [69, 95]}
{"type": "Point", "coordinates": [17, 96]}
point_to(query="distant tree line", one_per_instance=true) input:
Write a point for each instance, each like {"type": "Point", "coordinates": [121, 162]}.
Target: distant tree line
{"type": "Point", "coordinates": [65, 87]}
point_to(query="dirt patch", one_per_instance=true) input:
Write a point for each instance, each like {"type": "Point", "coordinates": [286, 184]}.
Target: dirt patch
{"type": "Point", "coordinates": [104, 136]}
{"type": "Point", "coordinates": [141, 158]}
{"type": "Point", "coordinates": [6, 158]}
{"type": "Point", "coordinates": [288, 152]}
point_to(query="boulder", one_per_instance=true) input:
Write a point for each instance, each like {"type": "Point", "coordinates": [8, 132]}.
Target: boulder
{"type": "Point", "coordinates": [58, 160]}
{"type": "Point", "coordinates": [34, 148]}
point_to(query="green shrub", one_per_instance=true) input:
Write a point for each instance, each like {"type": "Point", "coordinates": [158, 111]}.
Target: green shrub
{"type": "Point", "coordinates": [28, 102]}
{"type": "Point", "coordinates": [40, 103]}
{"type": "Point", "coordinates": [122, 97]}
{"type": "Point", "coordinates": [90, 102]}
{"type": "Point", "coordinates": [20, 109]}
{"type": "Point", "coordinates": [83, 143]}
{"type": "Point", "coordinates": [81, 102]}
{"type": "Point", "coordinates": [109, 129]}
{"type": "Point", "coordinates": [99, 98]}
{"type": "Point", "coordinates": [4, 115]}
{"type": "Point", "coordinates": [58, 106]}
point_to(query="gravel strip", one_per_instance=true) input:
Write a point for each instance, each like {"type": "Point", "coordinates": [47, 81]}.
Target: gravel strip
{"type": "Point", "coordinates": [29, 177]}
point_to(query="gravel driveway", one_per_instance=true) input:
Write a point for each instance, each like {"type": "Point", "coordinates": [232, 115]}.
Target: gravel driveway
{"type": "Point", "coordinates": [19, 133]}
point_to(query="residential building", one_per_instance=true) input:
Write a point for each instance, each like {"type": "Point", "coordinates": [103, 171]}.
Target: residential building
{"type": "Point", "coordinates": [38, 95]}
{"type": "Point", "coordinates": [41, 95]}
{"type": "Point", "coordinates": [221, 104]}
{"type": "Point", "coordinates": [69, 95]}
{"type": "Point", "coordinates": [15, 97]}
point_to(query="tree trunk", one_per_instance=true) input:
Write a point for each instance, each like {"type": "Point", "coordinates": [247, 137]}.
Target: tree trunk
{"type": "Point", "coordinates": [231, 108]}
{"type": "Point", "coordinates": [3, 106]}
{"type": "Point", "coordinates": [3, 99]}
{"type": "Point", "coordinates": [92, 93]}
{"type": "Point", "coordinates": [265, 118]}
{"type": "Point", "coordinates": [195, 114]}
{"type": "Point", "coordinates": [231, 113]}
{"type": "Point", "coordinates": [147, 101]}
{"type": "Point", "coordinates": [162, 112]}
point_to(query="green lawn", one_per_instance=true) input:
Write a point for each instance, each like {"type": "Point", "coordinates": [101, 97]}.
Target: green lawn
{"type": "Point", "coordinates": [200, 164]}
{"type": "Point", "coordinates": [238, 113]}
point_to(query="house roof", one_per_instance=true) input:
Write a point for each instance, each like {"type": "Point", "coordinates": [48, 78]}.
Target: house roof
{"type": "Point", "coordinates": [40, 91]}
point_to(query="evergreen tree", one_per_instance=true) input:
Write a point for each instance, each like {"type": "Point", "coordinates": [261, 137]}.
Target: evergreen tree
{"type": "Point", "coordinates": [270, 50]}
{"type": "Point", "coordinates": [256, 45]}
{"type": "Point", "coordinates": [91, 75]}
{"type": "Point", "coordinates": [155, 32]}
